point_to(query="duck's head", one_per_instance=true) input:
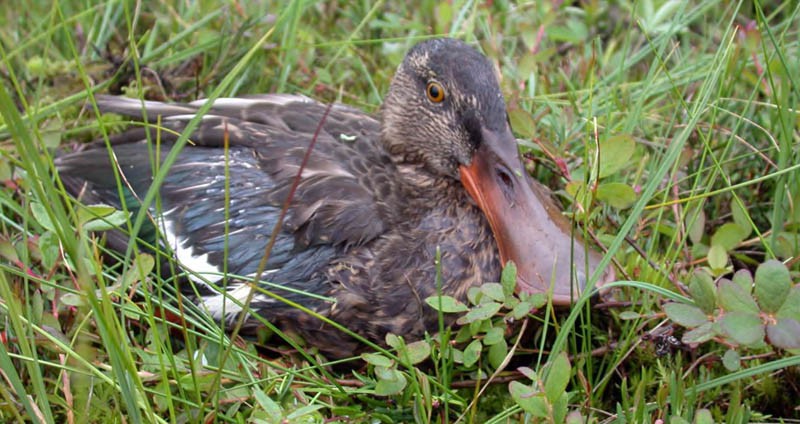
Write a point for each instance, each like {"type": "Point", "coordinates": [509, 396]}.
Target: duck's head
{"type": "Point", "coordinates": [445, 113]}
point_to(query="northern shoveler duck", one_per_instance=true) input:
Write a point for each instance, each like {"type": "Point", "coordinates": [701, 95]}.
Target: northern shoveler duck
{"type": "Point", "coordinates": [439, 169]}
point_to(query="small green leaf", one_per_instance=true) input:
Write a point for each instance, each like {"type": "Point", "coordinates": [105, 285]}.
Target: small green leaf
{"type": "Point", "coordinates": [617, 195]}
{"type": "Point", "coordinates": [536, 300]}
{"type": "Point", "coordinates": [511, 301]}
{"type": "Point", "coordinates": [109, 222]}
{"type": "Point", "coordinates": [8, 251]}
{"type": "Point", "coordinates": [744, 279]}
{"type": "Point", "coordinates": [695, 222]}
{"type": "Point", "coordinates": [700, 334]}
{"type": "Point", "coordinates": [527, 372]}
{"type": "Point", "coordinates": [717, 257]}
{"type": "Point", "coordinates": [701, 286]}
{"type": "Point", "coordinates": [497, 354]}
{"type": "Point", "coordinates": [480, 312]}
{"type": "Point", "coordinates": [418, 351]}
{"type": "Point", "coordinates": [508, 278]}
{"type": "Point", "coordinates": [728, 236]}
{"type": "Point", "coordinates": [787, 244]}
{"type": "Point", "coordinates": [464, 333]}
{"type": "Point", "coordinates": [475, 327]}
{"type": "Point", "coordinates": [699, 250]}
{"type": "Point", "coordinates": [448, 304]}
{"type": "Point", "coordinates": [785, 333]}
{"type": "Point", "coordinates": [73, 299]}
{"type": "Point", "coordinates": [791, 307]}
{"type": "Point", "coordinates": [560, 408]}
{"type": "Point", "coordinates": [40, 215]}
{"type": "Point", "coordinates": [615, 153]}
{"type": "Point", "coordinates": [395, 341]}
{"type": "Point", "coordinates": [199, 382]}
{"type": "Point", "coordinates": [393, 383]}
{"type": "Point", "coordinates": [629, 315]}
{"type": "Point", "coordinates": [303, 412]}
{"type": "Point", "coordinates": [557, 379]}
{"type": "Point", "coordinates": [494, 335]}
{"type": "Point", "coordinates": [733, 298]}
{"type": "Point", "coordinates": [578, 191]}
{"type": "Point", "coordinates": [270, 407]}
{"type": "Point", "coordinates": [493, 291]}
{"type": "Point", "coordinates": [37, 306]}
{"type": "Point", "coordinates": [685, 315]}
{"type": "Point", "coordinates": [703, 416]}
{"type": "Point", "coordinates": [521, 310]}
{"type": "Point", "coordinates": [458, 356]}
{"type": "Point", "coordinates": [90, 212]}
{"type": "Point", "coordinates": [377, 360]}
{"type": "Point", "coordinates": [742, 327]}
{"type": "Point", "coordinates": [522, 122]}
{"type": "Point", "coordinates": [772, 285]}
{"type": "Point", "coordinates": [740, 217]}
{"type": "Point", "coordinates": [49, 247]}
{"type": "Point", "coordinates": [731, 360]}
{"type": "Point", "coordinates": [474, 295]}
{"type": "Point", "coordinates": [528, 399]}
{"type": "Point", "coordinates": [382, 372]}
{"type": "Point", "coordinates": [472, 353]}
{"type": "Point", "coordinates": [142, 266]}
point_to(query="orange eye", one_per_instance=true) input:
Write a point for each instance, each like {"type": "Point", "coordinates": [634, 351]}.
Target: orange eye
{"type": "Point", "coordinates": [435, 92]}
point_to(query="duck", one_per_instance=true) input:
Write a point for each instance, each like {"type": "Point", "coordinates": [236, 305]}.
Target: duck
{"type": "Point", "coordinates": [428, 197]}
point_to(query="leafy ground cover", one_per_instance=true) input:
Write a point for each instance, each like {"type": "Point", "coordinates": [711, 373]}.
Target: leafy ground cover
{"type": "Point", "coordinates": [668, 130]}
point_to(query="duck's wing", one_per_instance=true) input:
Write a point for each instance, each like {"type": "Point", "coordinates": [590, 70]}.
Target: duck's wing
{"type": "Point", "coordinates": [217, 206]}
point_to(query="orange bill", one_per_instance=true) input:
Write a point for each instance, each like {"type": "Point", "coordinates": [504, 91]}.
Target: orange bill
{"type": "Point", "coordinates": [527, 226]}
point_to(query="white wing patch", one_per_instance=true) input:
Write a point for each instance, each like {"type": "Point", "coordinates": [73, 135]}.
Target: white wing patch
{"type": "Point", "coordinates": [244, 102]}
{"type": "Point", "coordinates": [190, 116]}
{"type": "Point", "coordinates": [222, 305]}
{"type": "Point", "coordinates": [200, 269]}
{"type": "Point", "coordinates": [227, 306]}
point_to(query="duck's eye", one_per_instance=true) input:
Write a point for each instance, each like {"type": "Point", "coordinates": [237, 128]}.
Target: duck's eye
{"type": "Point", "coordinates": [435, 92]}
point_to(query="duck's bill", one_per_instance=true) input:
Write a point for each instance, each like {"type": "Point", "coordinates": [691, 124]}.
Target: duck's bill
{"type": "Point", "coordinates": [528, 227]}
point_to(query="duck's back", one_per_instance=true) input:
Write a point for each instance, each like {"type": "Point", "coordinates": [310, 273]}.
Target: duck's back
{"type": "Point", "coordinates": [219, 202]}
